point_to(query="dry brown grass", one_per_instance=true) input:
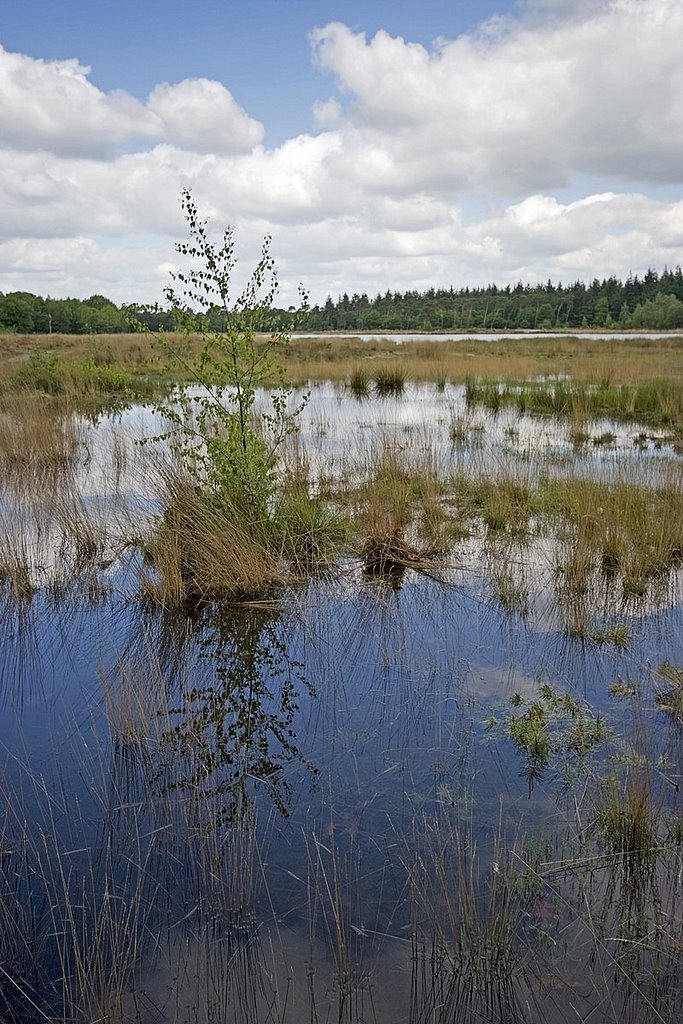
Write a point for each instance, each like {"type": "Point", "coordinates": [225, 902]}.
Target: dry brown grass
{"type": "Point", "coordinates": [635, 359]}
{"type": "Point", "coordinates": [337, 357]}
{"type": "Point", "coordinates": [127, 350]}
{"type": "Point", "coordinates": [36, 436]}
{"type": "Point", "coordinates": [203, 550]}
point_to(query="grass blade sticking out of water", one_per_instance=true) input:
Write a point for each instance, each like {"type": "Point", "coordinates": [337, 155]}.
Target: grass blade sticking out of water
{"type": "Point", "coordinates": [17, 569]}
{"type": "Point", "coordinates": [626, 823]}
{"type": "Point", "coordinates": [37, 437]}
{"type": "Point", "coordinates": [340, 918]}
{"type": "Point", "coordinates": [168, 896]}
{"type": "Point", "coordinates": [471, 963]}
{"type": "Point", "coordinates": [359, 383]}
{"type": "Point", "coordinates": [304, 526]}
{"type": "Point", "coordinates": [505, 567]}
{"type": "Point", "coordinates": [634, 915]}
{"type": "Point", "coordinates": [658, 402]}
{"type": "Point", "coordinates": [400, 510]}
{"type": "Point", "coordinates": [84, 538]}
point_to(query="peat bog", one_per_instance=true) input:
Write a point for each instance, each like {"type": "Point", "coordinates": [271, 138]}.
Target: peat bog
{"type": "Point", "coordinates": [412, 754]}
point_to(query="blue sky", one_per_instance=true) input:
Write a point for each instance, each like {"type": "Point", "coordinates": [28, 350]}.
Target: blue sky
{"type": "Point", "coordinates": [258, 49]}
{"type": "Point", "coordinates": [382, 144]}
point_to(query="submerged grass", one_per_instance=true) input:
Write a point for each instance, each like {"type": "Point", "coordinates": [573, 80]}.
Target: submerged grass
{"type": "Point", "coordinates": [553, 729]}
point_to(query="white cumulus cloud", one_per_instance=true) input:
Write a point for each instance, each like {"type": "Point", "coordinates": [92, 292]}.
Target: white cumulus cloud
{"type": "Point", "coordinates": [327, 113]}
{"type": "Point", "coordinates": [202, 115]}
{"type": "Point", "coordinates": [53, 107]}
{"type": "Point", "coordinates": [522, 106]}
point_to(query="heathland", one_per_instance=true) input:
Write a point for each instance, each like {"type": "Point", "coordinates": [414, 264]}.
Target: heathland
{"type": "Point", "coordinates": [342, 679]}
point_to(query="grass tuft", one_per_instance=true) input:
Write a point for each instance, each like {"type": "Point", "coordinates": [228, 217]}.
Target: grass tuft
{"type": "Point", "coordinates": [204, 549]}
{"type": "Point", "coordinates": [670, 699]}
{"type": "Point", "coordinates": [359, 383]}
{"type": "Point", "coordinates": [37, 436]}
{"type": "Point", "coordinates": [389, 381]}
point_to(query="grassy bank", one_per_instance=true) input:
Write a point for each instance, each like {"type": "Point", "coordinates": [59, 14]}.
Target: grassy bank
{"type": "Point", "coordinates": [337, 357]}
{"type": "Point", "coordinates": [82, 378]}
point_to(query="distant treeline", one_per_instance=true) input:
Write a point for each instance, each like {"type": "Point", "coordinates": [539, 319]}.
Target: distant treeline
{"type": "Point", "coordinates": [29, 314]}
{"type": "Point", "coordinates": [653, 302]}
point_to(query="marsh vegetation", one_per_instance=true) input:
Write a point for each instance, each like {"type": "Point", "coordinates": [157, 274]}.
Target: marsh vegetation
{"type": "Point", "coordinates": [408, 751]}
{"type": "Point", "coordinates": [388, 730]}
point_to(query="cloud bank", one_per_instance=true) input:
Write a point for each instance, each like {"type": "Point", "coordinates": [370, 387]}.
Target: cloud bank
{"type": "Point", "coordinates": [545, 145]}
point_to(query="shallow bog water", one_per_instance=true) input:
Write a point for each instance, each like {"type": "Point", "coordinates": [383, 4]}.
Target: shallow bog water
{"type": "Point", "coordinates": [314, 808]}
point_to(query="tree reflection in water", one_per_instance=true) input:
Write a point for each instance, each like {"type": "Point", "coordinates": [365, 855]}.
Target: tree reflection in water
{"type": "Point", "coordinates": [234, 732]}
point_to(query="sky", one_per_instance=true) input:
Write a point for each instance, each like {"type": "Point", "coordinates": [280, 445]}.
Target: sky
{"type": "Point", "coordinates": [383, 144]}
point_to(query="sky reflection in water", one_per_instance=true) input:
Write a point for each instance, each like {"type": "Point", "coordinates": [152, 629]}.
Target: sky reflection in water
{"type": "Point", "coordinates": [300, 773]}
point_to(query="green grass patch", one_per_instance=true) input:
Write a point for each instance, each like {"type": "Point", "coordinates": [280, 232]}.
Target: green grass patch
{"type": "Point", "coordinates": [655, 402]}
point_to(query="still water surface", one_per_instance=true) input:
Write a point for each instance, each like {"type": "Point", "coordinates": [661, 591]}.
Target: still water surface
{"type": "Point", "coordinates": [311, 808]}
{"type": "Point", "coordinates": [399, 336]}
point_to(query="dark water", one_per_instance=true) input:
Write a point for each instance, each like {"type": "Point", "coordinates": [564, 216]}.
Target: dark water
{"type": "Point", "coordinates": [312, 808]}
{"type": "Point", "coordinates": [319, 758]}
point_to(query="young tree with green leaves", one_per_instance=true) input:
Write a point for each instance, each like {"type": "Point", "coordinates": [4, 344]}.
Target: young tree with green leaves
{"type": "Point", "coordinates": [229, 448]}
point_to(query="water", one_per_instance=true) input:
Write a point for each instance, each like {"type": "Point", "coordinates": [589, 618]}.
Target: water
{"type": "Point", "coordinates": [400, 337]}
{"type": "Point", "coordinates": [312, 807]}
